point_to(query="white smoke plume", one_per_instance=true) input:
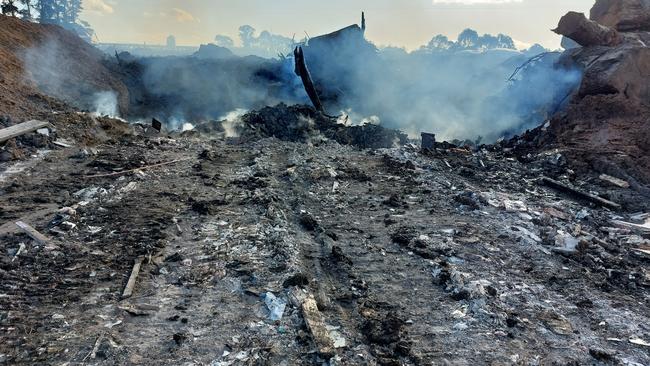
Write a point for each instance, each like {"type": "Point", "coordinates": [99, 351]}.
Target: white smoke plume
{"type": "Point", "coordinates": [105, 104]}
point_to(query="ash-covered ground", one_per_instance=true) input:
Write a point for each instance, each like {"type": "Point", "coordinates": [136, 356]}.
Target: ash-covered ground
{"type": "Point", "coordinates": [259, 250]}
{"type": "Point", "coordinates": [284, 236]}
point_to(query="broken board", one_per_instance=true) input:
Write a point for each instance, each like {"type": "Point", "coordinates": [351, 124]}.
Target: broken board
{"type": "Point", "coordinates": [33, 233]}
{"type": "Point", "coordinates": [21, 129]}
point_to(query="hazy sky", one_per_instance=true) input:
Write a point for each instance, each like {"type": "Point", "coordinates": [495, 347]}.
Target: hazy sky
{"type": "Point", "coordinates": [407, 23]}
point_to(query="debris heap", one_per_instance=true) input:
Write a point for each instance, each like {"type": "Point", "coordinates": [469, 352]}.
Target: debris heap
{"type": "Point", "coordinates": [304, 123]}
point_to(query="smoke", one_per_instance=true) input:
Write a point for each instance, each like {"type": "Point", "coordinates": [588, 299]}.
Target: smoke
{"type": "Point", "coordinates": [232, 122]}
{"type": "Point", "coordinates": [457, 90]}
{"type": "Point", "coordinates": [191, 89]}
{"type": "Point", "coordinates": [72, 72]}
{"type": "Point", "coordinates": [105, 104]}
{"type": "Point", "coordinates": [44, 66]}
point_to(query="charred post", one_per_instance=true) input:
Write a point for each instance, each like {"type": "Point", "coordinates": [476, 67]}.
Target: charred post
{"type": "Point", "coordinates": [302, 71]}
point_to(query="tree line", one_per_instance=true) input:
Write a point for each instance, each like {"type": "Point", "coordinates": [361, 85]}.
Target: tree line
{"type": "Point", "coordinates": [62, 12]}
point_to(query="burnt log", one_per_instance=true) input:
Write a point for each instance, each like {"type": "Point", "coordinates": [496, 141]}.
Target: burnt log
{"type": "Point", "coordinates": [587, 32]}
{"type": "Point", "coordinates": [302, 71]}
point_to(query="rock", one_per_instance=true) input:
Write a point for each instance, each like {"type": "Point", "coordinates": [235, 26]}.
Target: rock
{"type": "Point", "coordinates": [469, 199]}
{"type": "Point", "coordinates": [622, 15]}
{"type": "Point", "coordinates": [403, 235]}
{"type": "Point", "coordinates": [298, 279]}
{"type": "Point", "coordinates": [587, 32]}
{"type": "Point", "coordinates": [179, 338]}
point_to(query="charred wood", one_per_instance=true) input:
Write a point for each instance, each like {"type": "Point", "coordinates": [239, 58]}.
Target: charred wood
{"type": "Point", "coordinates": [302, 71]}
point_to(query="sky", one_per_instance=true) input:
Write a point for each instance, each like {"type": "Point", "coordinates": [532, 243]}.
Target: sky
{"type": "Point", "coordinates": [403, 23]}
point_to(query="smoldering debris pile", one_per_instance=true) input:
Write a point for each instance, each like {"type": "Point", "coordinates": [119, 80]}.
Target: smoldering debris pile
{"type": "Point", "coordinates": [303, 123]}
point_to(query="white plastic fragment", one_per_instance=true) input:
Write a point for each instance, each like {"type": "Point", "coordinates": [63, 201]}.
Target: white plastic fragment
{"type": "Point", "coordinates": [275, 305]}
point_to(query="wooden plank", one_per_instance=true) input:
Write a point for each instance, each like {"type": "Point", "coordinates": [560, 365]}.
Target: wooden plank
{"type": "Point", "coordinates": [614, 181]}
{"type": "Point", "coordinates": [21, 129]}
{"type": "Point", "coordinates": [632, 226]}
{"type": "Point", "coordinates": [128, 290]}
{"type": "Point", "coordinates": [587, 196]}
{"type": "Point", "coordinates": [40, 238]}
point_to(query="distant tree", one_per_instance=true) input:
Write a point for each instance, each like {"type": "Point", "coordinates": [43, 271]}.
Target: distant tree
{"type": "Point", "coordinates": [468, 39]}
{"type": "Point", "coordinates": [488, 42]}
{"type": "Point", "coordinates": [224, 41]}
{"type": "Point", "coordinates": [72, 10]}
{"type": "Point", "coordinates": [439, 42]}
{"type": "Point", "coordinates": [47, 11]}
{"type": "Point", "coordinates": [506, 42]}
{"type": "Point", "coordinates": [247, 35]}
{"type": "Point", "coordinates": [273, 43]}
{"type": "Point", "coordinates": [26, 11]}
{"type": "Point", "coordinates": [61, 12]}
{"type": "Point", "coordinates": [9, 7]}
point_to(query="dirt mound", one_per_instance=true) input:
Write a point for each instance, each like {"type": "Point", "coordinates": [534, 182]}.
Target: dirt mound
{"type": "Point", "coordinates": [607, 124]}
{"type": "Point", "coordinates": [63, 65]}
{"type": "Point", "coordinates": [606, 133]}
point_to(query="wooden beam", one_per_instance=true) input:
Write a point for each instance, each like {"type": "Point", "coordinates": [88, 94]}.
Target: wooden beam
{"type": "Point", "coordinates": [587, 196]}
{"type": "Point", "coordinates": [614, 181]}
{"type": "Point", "coordinates": [21, 129]}
{"type": "Point", "coordinates": [33, 233]}
{"type": "Point", "coordinates": [128, 290]}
